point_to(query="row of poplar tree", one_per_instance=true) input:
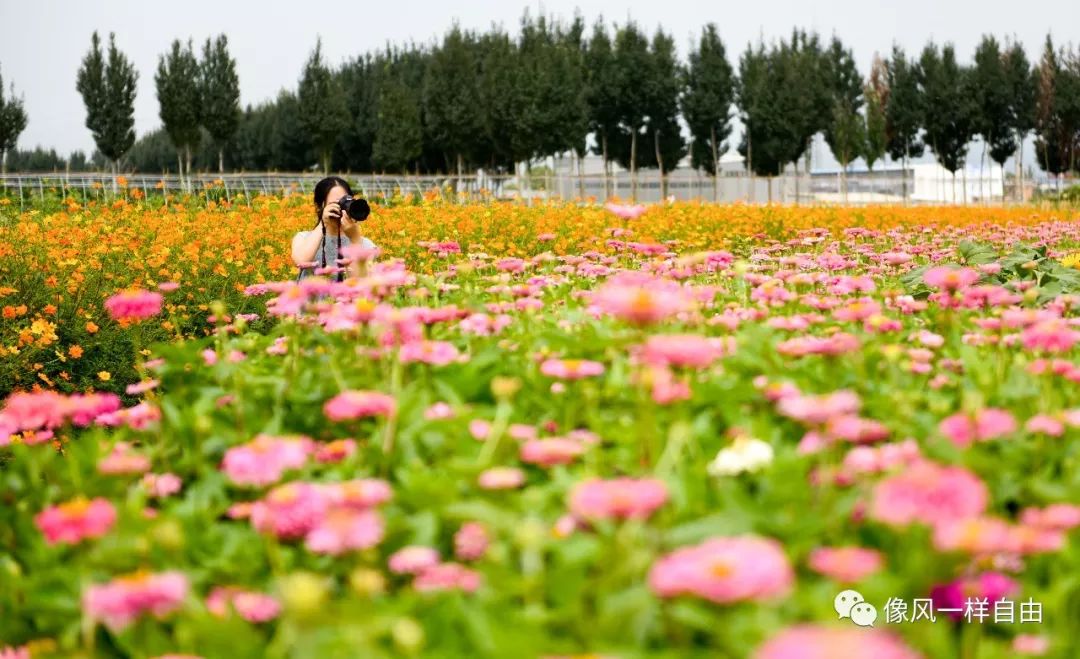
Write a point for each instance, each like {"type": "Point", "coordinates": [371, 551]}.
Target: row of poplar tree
{"type": "Point", "coordinates": [493, 100]}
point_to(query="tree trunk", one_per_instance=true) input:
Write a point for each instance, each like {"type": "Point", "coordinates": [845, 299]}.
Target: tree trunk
{"type": "Point", "coordinates": [460, 169]}
{"type": "Point", "coordinates": [221, 160]}
{"type": "Point", "coordinates": [633, 165]}
{"type": "Point", "coordinates": [180, 168]}
{"type": "Point", "coordinates": [715, 164]}
{"type": "Point", "coordinates": [982, 169]}
{"type": "Point", "coordinates": [603, 146]}
{"type": "Point", "coordinates": [581, 175]}
{"type": "Point", "coordinates": [770, 189]}
{"type": "Point", "coordinates": [963, 188]}
{"type": "Point", "coordinates": [796, 181]}
{"type": "Point", "coordinates": [115, 173]}
{"type": "Point", "coordinates": [3, 161]}
{"type": "Point", "coordinates": [1019, 168]}
{"type": "Point", "coordinates": [660, 164]}
{"type": "Point", "coordinates": [903, 173]}
{"type": "Point", "coordinates": [188, 168]}
{"type": "Point", "coordinates": [750, 161]}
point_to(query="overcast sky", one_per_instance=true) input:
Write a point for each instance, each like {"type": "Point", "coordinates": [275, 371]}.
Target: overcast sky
{"type": "Point", "coordinates": [42, 42]}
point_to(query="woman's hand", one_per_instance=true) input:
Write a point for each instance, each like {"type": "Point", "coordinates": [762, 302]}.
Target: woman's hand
{"type": "Point", "coordinates": [349, 226]}
{"type": "Point", "coordinates": [331, 213]}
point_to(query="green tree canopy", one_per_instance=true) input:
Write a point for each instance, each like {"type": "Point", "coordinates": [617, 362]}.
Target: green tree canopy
{"type": "Point", "coordinates": [708, 93]}
{"type": "Point", "coordinates": [12, 123]}
{"type": "Point", "coordinates": [180, 98]}
{"type": "Point", "coordinates": [323, 112]}
{"type": "Point", "coordinates": [220, 95]}
{"type": "Point", "coordinates": [108, 91]}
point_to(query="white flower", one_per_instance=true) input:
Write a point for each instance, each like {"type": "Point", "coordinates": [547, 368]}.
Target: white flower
{"type": "Point", "coordinates": [744, 454]}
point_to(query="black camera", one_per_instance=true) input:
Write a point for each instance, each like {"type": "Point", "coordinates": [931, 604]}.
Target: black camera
{"type": "Point", "coordinates": [357, 209]}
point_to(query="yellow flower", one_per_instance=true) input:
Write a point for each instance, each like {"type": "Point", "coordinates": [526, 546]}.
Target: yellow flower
{"type": "Point", "coordinates": [1072, 260]}
{"type": "Point", "coordinates": [104, 376]}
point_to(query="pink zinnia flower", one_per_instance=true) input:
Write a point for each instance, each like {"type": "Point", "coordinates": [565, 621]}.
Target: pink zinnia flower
{"type": "Point", "coordinates": [808, 641]}
{"type": "Point", "coordinates": [253, 606]}
{"type": "Point", "coordinates": [845, 564]}
{"type": "Point", "coordinates": [1031, 644]}
{"type": "Point", "coordinates": [1058, 516]}
{"type": "Point", "coordinates": [973, 535]}
{"type": "Point", "coordinates": [815, 410]}
{"type": "Point", "coordinates": [929, 493]}
{"type": "Point", "coordinates": [141, 387]}
{"type": "Point", "coordinates": [345, 529]}
{"type": "Point", "coordinates": [335, 451]}
{"type": "Point", "coordinates": [447, 576]}
{"type": "Point", "coordinates": [1050, 336]}
{"type": "Point", "coordinates": [264, 460]}
{"type": "Point", "coordinates": [1046, 425]}
{"type": "Point", "coordinates": [724, 570]}
{"type": "Point", "coordinates": [640, 301]}
{"type": "Point", "coordinates": [134, 305]}
{"type": "Point", "coordinates": [617, 498]}
{"type": "Point", "coordinates": [76, 520]}
{"type": "Point", "coordinates": [479, 429]}
{"type": "Point", "coordinates": [358, 405]}
{"type": "Point", "coordinates": [123, 461]}
{"type": "Point", "coordinates": [501, 478]}
{"type": "Point", "coordinates": [993, 586]}
{"type": "Point", "coordinates": [438, 412]}
{"type": "Point", "coordinates": [471, 541]}
{"type": "Point", "coordinates": [161, 485]}
{"type": "Point", "coordinates": [358, 493]}
{"type": "Point", "coordinates": [413, 559]}
{"type": "Point", "coordinates": [985, 424]}
{"type": "Point", "coordinates": [289, 511]}
{"type": "Point", "coordinates": [571, 369]}
{"type": "Point", "coordinates": [119, 602]}
{"type": "Point", "coordinates": [551, 451]}
{"type": "Point", "coordinates": [10, 652]}
{"type": "Point", "coordinates": [690, 350]}
{"type": "Point", "coordinates": [436, 353]}
{"type": "Point", "coordinates": [949, 278]}
{"type": "Point", "coordinates": [626, 212]}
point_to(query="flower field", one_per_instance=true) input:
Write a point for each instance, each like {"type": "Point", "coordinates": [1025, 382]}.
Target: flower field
{"type": "Point", "coordinates": [677, 431]}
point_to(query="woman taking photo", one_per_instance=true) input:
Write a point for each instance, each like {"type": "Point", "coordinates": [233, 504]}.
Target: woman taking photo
{"type": "Point", "coordinates": [321, 246]}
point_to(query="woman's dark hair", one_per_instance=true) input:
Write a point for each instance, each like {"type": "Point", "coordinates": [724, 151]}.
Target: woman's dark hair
{"type": "Point", "coordinates": [323, 188]}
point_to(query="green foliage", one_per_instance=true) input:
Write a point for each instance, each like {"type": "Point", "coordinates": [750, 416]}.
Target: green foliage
{"type": "Point", "coordinates": [399, 138]}
{"type": "Point", "coordinates": [179, 94]}
{"type": "Point", "coordinates": [1057, 110]}
{"type": "Point", "coordinates": [876, 93]}
{"type": "Point", "coordinates": [707, 97]}
{"type": "Point", "coordinates": [949, 108]}
{"type": "Point", "coordinates": [323, 112]}
{"type": "Point", "coordinates": [451, 97]}
{"type": "Point", "coordinates": [905, 108]}
{"type": "Point", "coordinates": [108, 91]}
{"type": "Point", "coordinates": [993, 98]}
{"type": "Point", "coordinates": [632, 62]}
{"type": "Point", "coordinates": [602, 88]}
{"type": "Point", "coordinates": [845, 132]}
{"type": "Point", "coordinates": [12, 123]}
{"type": "Point", "coordinates": [1022, 263]}
{"type": "Point", "coordinates": [219, 94]}
{"type": "Point", "coordinates": [770, 99]}
{"type": "Point", "coordinates": [661, 87]}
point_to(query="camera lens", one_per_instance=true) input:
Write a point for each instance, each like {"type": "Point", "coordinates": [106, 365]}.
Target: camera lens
{"type": "Point", "coordinates": [358, 209]}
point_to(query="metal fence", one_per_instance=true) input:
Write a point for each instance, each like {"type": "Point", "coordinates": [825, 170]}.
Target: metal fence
{"type": "Point", "coordinates": [541, 185]}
